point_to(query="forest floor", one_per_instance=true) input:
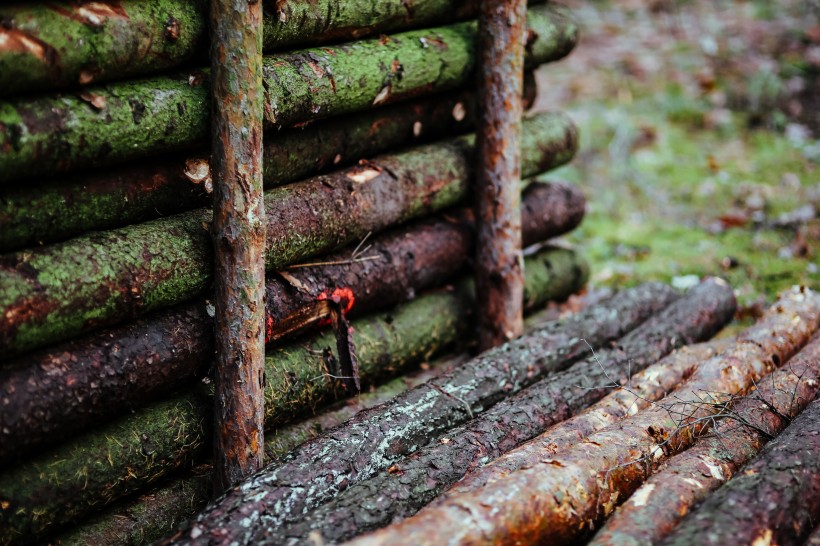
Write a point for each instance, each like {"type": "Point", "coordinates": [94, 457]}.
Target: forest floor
{"type": "Point", "coordinates": [699, 124]}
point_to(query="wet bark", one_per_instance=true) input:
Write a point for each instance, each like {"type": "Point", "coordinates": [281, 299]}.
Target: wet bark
{"type": "Point", "coordinates": [498, 260]}
{"type": "Point", "coordinates": [94, 469]}
{"type": "Point", "coordinates": [377, 438]}
{"type": "Point", "coordinates": [412, 483]}
{"type": "Point", "coordinates": [775, 500]}
{"type": "Point", "coordinates": [688, 479]}
{"type": "Point", "coordinates": [559, 498]}
{"type": "Point", "coordinates": [59, 291]}
{"type": "Point", "coordinates": [128, 120]}
{"type": "Point", "coordinates": [53, 393]}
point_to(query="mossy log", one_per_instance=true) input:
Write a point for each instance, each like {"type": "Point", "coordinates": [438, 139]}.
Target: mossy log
{"type": "Point", "coordinates": [53, 393]}
{"type": "Point", "coordinates": [96, 468]}
{"type": "Point", "coordinates": [63, 44]}
{"type": "Point", "coordinates": [412, 483]}
{"type": "Point", "coordinates": [377, 438]}
{"type": "Point", "coordinates": [57, 292]}
{"type": "Point", "coordinates": [128, 120]}
{"type": "Point", "coordinates": [686, 480]}
{"type": "Point", "coordinates": [560, 498]}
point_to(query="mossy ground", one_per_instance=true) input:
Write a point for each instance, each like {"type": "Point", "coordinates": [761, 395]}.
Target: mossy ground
{"type": "Point", "coordinates": [695, 156]}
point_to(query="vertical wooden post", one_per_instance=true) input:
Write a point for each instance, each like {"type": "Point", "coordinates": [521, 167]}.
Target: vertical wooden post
{"type": "Point", "coordinates": [499, 265]}
{"type": "Point", "coordinates": [239, 238]}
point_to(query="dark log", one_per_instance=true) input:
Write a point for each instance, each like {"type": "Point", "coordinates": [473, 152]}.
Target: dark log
{"type": "Point", "coordinates": [498, 261]}
{"type": "Point", "coordinates": [53, 393]}
{"type": "Point", "coordinates": [559, 498]}
{"type": "Point", "coordinates": [96, 468]}
{"type": "Point", "coordinates": [104, 125]}
{"type": "Point", "coordinates": [410, 484]}
{"type": "Point", "coordinates": [775, 500]}
{"type": "Point", "coordinates": [377, 438]}
{"type": "Point", "coordinates": [56, 292]}
{"type": "Point", "coordinates": [688, 479]}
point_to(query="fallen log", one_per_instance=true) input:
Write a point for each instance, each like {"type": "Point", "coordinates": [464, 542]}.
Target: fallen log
{"type": "Point", "coordinates": [775, 500]}
{"type": "Point", "coordinates": [62, 44]}
{"type": "Point", "coordinates": [412, 483]}
{"type": "Point", "coordinates": [127, 120]}
{"type": "Point", "coordinates": [558, 499]}
{"type": "Point", "coordinates": [653, 511]}
{"type": "Point", "coordinates": [96, 468]}
{"type": "Point", "coordinates": [53, 393]}
{"type": "Point", "coordinates": [643, 388]}
{"type": "Point", "coordinates": [377, 438]}
{"type": "Point", "coordinates": [59, 291]}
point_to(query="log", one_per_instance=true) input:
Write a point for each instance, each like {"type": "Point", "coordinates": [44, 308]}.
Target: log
{"type": "Point", "coordinates": [54, 393]}
{"type": "Point", "coordinates": [109, 124]}
{"type": "Point", "coordinates": [410, 484]}
{"type": "Point", "coordinates": [501, 39]}
{"type": "Point", "coordinates": [377, 438]}
{"type": "Point", "coordinates": [62, 44]}
{"type": "Point", "coordinates": [94, 469]}
{"type": "Point", "coordinates": [558, 499]}
{"type": "Point", "coordinates": [776, 500]}
{"type": "Point", "coordinates": [688, 479]}
{"type": "Point", "coordinates": [57, 292]}
{"type": "Point", "coordinates": [814, 539]}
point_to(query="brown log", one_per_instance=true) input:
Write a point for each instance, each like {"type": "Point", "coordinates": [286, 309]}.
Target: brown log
{"type": "Point", "coordinates": [558, 499]}
{"type": "Point", "coordinates": [412, 483]}
{"type": "Point", "coordinates": [56, 392]}
{"type": "Point", "coordinates": [377, 438]}
{"type": "Point", "coordinates": [775, 500]}
{"type": "Point", "coordinates": [498, 261]}
{"type": "Point", "coordinates": [654, 510]}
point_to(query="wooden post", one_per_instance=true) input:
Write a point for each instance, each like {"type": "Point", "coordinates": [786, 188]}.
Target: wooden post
{"type": "Point", "coordinates": [499, 265]}
{"type": "Point", "coordinates": [239, 239]}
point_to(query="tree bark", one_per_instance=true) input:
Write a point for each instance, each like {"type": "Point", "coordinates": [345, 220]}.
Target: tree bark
{"type": "Point", "coordinates": [375, 439]}
{"type": "Point", "coordinates": [688, 479]}
{"type": "Point", "coordinates": [558, 499]}
{"type": "Point", "coordinates": [57, 292]}
{"type": "Point", "coordinates": [412, 483]}
{"type": "Point", "coordinates": [61, 44]}
{"type": "Point", "coordinates": [129, 120]}
{"type": "Point", "coordinates": [94, 469]}
{"type": "Point", "coordinates": [498, 259]}
{"type": "Point", "coordinates": [776, 500]}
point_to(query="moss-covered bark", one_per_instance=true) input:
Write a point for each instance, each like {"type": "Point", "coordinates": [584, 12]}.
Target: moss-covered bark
{"type": "Point", "coordinates": [112, 123]}
{"type": "Point", "coordinates": [56, 292]}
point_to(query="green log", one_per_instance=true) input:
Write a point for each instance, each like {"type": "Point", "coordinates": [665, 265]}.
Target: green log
{"type": "Point", "coordinates": [109, 124]}
{"type": "Point", "coordinates": [120, 458]}
{"type": "Point", "coordinates": [56, 292]}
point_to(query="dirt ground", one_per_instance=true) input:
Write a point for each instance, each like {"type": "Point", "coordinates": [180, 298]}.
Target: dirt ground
{"type": "Point", "coordinates": [699, 126]}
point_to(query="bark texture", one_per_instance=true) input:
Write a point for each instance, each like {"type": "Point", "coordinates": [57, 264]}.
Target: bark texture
{"type": "Point", "coordinates": [688, 479]}
{"type": "Point", "coordinates": [59, 291]}
{"type": "Point", "coordinates": [558, 499]}
{"type": "Point", "coordinates": [377, 438]}
{"type": "Point", "coordinates": [412, 483]}
{"type": "Point", "coordinates": [498, 260]}
{"type": "Point", "coordinates": [129, 120]}
{"type": "Point", "coordinates": [94, 469]}
{"type": "Point", "coordinates": [776, 500]}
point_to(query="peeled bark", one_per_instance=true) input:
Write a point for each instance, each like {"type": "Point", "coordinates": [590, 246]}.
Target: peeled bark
{"type": "Point", "coordinates": [776, 500]}
{"type": "Point", "coordinates": [412, 483]}
{"type": "Point", "coordinates": [688, 479]}
{"type": "Point", "coordinates": [94, 469]}
{"type": "Point", "coordinates": [53, 393]}
{"type": "Point", "coordinates": [129, 120]}
{"type": "Point", "coordinates": [57, 292]}
{"type": "Point", "coordinates": [558, 499]}
{"type": "Point", "coordinates": [377, 438]}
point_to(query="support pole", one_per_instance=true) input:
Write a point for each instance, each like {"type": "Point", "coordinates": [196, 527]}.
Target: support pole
{"type": "Point", "coordinates": [499, 275]}
{"type": "Point", "coordinates": [239, 239]}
